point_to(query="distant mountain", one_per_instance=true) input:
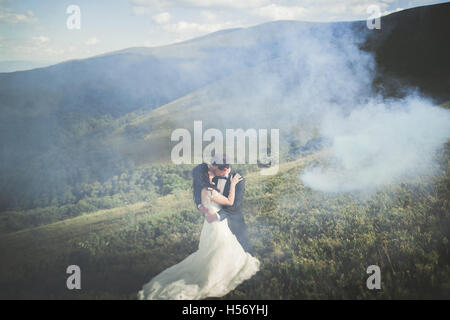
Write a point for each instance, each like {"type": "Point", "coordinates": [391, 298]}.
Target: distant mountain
{"type": "Point", "coordinates": [86, 120]}
{"type": "Point", "coordinates": [126, 80]}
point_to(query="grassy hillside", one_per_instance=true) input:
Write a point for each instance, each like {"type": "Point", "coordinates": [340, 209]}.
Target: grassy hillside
{"type": "Point", "coordinates": [311, 245]}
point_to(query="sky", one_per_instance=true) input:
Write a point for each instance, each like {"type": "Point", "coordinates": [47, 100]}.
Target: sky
{"type": "Point", "coordinates": [37, 30]}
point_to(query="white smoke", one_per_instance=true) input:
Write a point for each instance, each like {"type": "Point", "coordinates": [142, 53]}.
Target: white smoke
{"type": "Point", "coordinates": [313, 81]}
{"type": "Point", "coordinates": [379, 143]}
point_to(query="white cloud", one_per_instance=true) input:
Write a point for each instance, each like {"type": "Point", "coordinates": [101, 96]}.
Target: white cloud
{"type": "Point", "coordinates": [258, 11]}
{"type": "Point", "coordinates": [151, 44]}
{"type": "Point", "coordinates": [234, 4]}
{"type": "Point", "coordinates": [9, 16]}
{"type": "Point", "coordinates": [179, 20]}
{"type": "Point", "coordinates": [140, 10]}
{"type": "Point", "coordinates": [40, 40]}
{"type": "Point", "coordinates": [146, 6]}
{"type": "Point", "coordinates": [91, 41]}
{"type": "Point", "coordinates": [322, 10]}
{"type": "Point", "coordinates": [54, 51]}
{"type": "Point", "coordinates": [208, 15]}
{"type": "Point", "coordinates": [186, 30]}
{"type": "Point", "coordinates": [162, 18]}
{"type": "Point", "coordinates": [169, 33]}
{"type": "Point", "coordinates": [38, 49]}
{"type": "Point", "coordinates": [276, 12]}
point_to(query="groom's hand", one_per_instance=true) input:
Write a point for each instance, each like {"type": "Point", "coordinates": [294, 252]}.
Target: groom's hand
{"type": "Point", "coordinates": [211, 217]}
{"type": "Point", "coordinates": [208, 216]}
{"type": "Point", "coordinates": [203, 209]}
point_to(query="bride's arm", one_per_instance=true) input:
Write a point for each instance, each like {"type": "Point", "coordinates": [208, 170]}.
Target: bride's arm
{"type": "Point", "coordinates": [204, 196]}
{"type": "Point", "coordinates": [222, 200]}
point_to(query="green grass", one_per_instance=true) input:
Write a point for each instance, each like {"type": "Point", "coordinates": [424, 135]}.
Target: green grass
{"type": "Point", "coordinates": [311, 245]}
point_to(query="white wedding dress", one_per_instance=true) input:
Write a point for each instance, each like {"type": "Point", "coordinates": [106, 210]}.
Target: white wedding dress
{"type": "Point", "coordinates": [218, 266]}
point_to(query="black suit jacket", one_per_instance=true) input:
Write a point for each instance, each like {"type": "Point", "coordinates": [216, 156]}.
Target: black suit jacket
{"type": "Point", "coordinates": [233, 213]}
{"type": "Point", "coordinates": [235, 210]}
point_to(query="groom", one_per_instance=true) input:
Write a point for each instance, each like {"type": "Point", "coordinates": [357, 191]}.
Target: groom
{"type": "Point", "coordinates": [236, 223]}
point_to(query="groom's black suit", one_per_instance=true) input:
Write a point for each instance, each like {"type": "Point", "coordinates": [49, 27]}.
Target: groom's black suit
{"type": "Point", "coordinates": [233, 213]}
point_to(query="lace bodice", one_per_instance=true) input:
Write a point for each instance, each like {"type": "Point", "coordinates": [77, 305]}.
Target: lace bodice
{"type": "Point", "coordinates": [209, 204]}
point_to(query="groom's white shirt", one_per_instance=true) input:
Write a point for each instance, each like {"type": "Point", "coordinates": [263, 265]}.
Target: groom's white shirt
{"type": "Point", "coordinates": [221, 183]}
{"type": "Point", "coordinates": [221, 186]}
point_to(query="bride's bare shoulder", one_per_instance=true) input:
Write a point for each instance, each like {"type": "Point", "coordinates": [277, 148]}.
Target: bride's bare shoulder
{"type": "Point", "coordinates": [208, 191]}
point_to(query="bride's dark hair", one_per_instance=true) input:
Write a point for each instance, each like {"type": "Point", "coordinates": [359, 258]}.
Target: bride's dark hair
{"type": "Point", "coordinates": [200, 176]}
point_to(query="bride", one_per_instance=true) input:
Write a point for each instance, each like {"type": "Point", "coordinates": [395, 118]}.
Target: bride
{"type": "Point", "coordinates": [218, 266]}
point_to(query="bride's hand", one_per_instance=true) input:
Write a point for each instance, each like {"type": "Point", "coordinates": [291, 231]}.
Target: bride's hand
{"type": "Point", "coordinates": [236, 178]}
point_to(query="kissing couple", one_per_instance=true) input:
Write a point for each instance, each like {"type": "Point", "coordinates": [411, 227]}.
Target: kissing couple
{"type": "Point", "coordinates": [223, 259]}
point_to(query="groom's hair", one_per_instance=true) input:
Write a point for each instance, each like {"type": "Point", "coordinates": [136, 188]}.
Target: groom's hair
{"type": "Point", "coordinates": [222, 163]}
